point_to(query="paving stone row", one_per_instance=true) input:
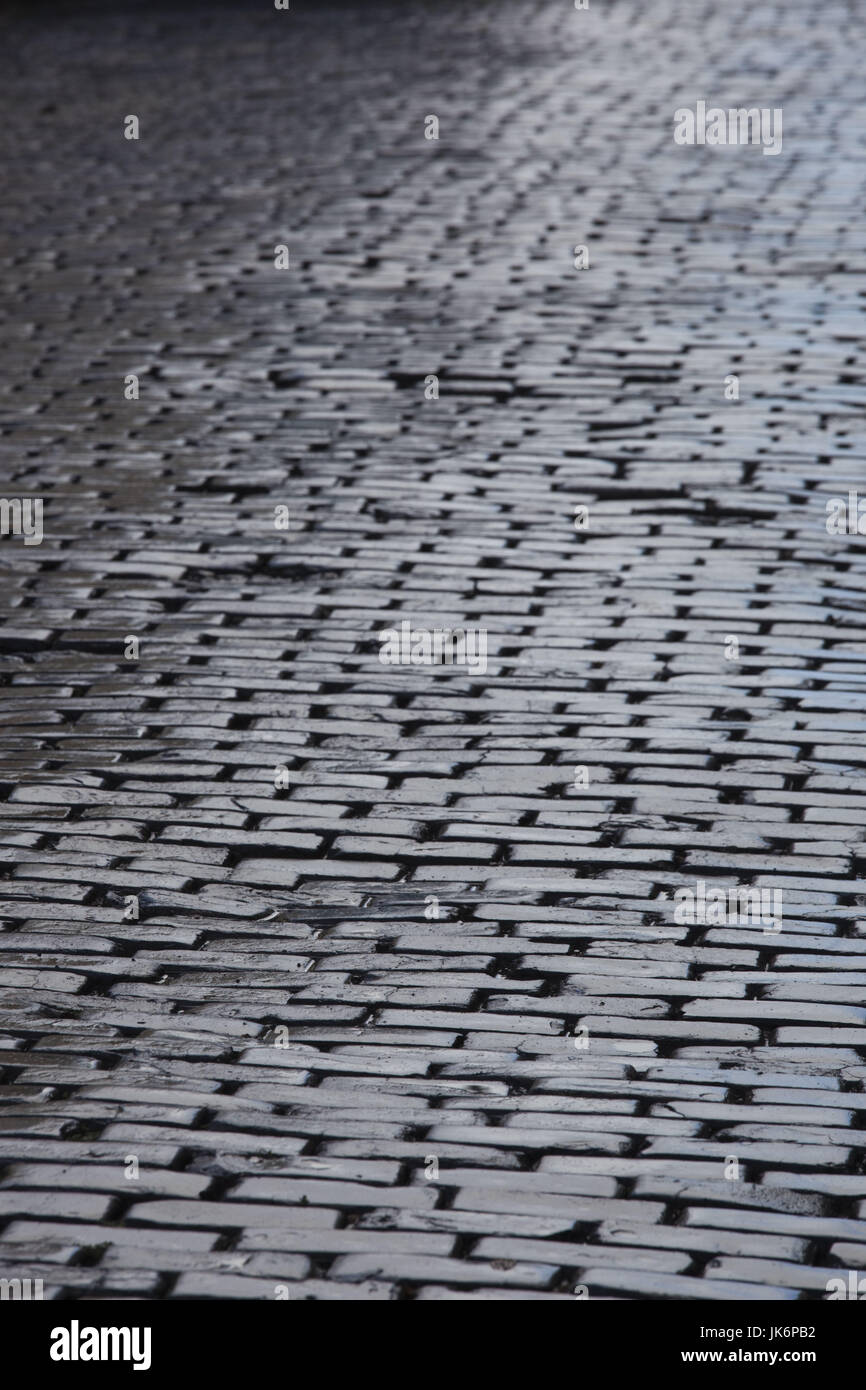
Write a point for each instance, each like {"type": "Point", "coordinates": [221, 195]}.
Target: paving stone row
{"type": "Point", "coordinates": [333, 979]}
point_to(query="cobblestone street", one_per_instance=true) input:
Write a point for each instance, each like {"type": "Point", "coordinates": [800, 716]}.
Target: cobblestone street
{"type": "Point", "coordinates": [325, 978]}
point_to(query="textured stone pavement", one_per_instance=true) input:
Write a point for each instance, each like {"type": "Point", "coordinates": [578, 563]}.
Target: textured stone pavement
{"type": "Point", "coordinates": [282, 1042]}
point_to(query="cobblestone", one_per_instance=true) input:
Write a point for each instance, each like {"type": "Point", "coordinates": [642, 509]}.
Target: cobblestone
{"type": "Point", "coordinates": [324, 978]}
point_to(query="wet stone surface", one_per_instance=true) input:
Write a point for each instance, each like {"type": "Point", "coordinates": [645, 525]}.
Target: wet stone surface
{"type": "Point", "coordinates": [414, 1017]}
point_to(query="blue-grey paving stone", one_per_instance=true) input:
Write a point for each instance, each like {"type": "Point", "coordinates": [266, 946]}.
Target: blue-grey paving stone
{"type": "Point", "coordinates": [212, 1286]}
{"type": "Point", "coordinates": [795, 1276]}
{"type": "Point", "coordinates": [45, 1154]}
{"type": "Point", "coordinates": [463, 1222]}
{"type": "Point", "coordinates": [321, 1192]}
{"type": "Point", "coordinates": [744, 1194]}
{"type": "Point", "coordinates": [735, 1242]}
{"type": "Point", "coordinates": [436, 1293]}
{"type": "Point", "coordinates": [82, 1177]}
{"type": "Point", "coordinates": [752, 1150]}
{"type": "Point", "coordinates": [57, 1284]}
{"type": "Point", "coordinates": [658, 1286]}
{"type": "Point", "coordinates": [773, 1114]}
{"type": "Point", "coordinates": [848, 1254]}
{"type": "Point", "coordinates": [574, 1255]}
{"type": "Point", "coordinates": [83, 1206]}
{"type": "Point", "coordinates": [808, 1227]}
{"type": "Point", "coordinates": [523, 1202]}
{"type": "Point", "coordinates": [405, 1150]}
{"type": "Point", "coordinates": [66, 1237]}
{"type": "Point", "coordinates": [531, 1138]}
{"type": "Point", "coordinates": [195, 1284]}
{"type": "Point", "coordinates": [348, 1241]}
{"type": "Point", "coordinates": [216, 1215]}
{"type": "Point", "coordinates": [417, 1268]}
